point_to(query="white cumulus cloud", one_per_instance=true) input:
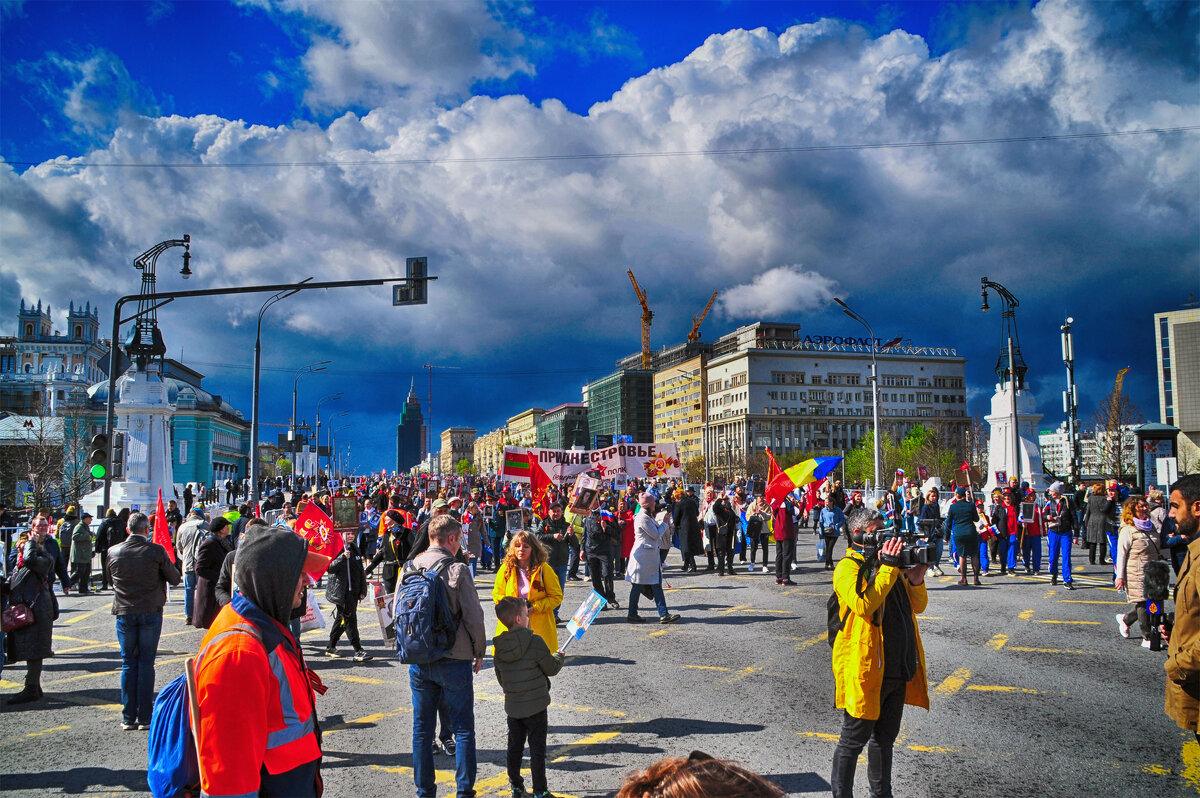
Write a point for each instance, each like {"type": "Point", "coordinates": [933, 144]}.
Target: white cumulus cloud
{"type": "Point", "coordinates": [777, 294]}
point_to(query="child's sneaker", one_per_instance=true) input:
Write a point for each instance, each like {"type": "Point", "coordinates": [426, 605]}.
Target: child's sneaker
{"type": "Point", "coordinates": [546, 794]}
{"type": "Point", "coordinates": [519, 792]}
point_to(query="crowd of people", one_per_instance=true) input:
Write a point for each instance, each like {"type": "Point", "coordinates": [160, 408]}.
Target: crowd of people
{"type": "Point", "coordinates": [246, 581]}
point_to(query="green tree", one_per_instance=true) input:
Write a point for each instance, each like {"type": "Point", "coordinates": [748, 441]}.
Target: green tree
{"type": "Point", "coordinates": [284, 465]}
{"type": "Point", "coordinates": [464, 467]}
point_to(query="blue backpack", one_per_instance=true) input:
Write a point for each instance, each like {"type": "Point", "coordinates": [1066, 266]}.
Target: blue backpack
{"type": "Point", "coordinates": [425, 626]}
{"type": "Point", "coordinates": [173, 769]}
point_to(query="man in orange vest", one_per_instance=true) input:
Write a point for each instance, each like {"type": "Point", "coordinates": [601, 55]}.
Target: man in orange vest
{"type": "Point", "coordinates": [258, 719]}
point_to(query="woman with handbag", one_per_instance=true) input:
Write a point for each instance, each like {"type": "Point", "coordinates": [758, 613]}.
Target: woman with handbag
{"type": "Point", "coordinates": [29, 617]}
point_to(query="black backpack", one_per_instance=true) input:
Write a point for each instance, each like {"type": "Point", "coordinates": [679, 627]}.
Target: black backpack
{"type": "Point", "coordinates": [425, 626]}
{"type": "Point", "coordinates": [835, 618]}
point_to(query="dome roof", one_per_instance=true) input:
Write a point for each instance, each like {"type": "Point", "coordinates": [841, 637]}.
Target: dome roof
{"type": "Point", "coordinates": [204, 400]}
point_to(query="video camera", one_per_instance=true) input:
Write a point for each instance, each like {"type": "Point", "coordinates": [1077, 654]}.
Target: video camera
{"type": "Point", "coordinates": [915, 551]}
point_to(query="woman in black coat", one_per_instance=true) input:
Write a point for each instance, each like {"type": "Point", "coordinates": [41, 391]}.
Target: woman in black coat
{"type": "Point", "coordinates": [1099, 521]}
{"type": "Point", "coordinates": [33, 643]}
{"type": "Point", "coordinates": [727, 523]}
{"type": "Point", "coordinates": [687, 525]}
{"type": "Point", "coordinates": [209, 559]}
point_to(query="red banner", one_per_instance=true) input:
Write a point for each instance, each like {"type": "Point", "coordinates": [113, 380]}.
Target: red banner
{"type": "Point", "coordinates": [317, 528]}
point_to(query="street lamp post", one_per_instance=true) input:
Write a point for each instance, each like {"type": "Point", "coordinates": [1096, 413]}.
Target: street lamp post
{"type": "Point", "coordinates": [1071, 401]}
{"type": "Point", "coordinates": [293, 431]}
{"type": "Point", "coordinates": [254, 463]}
{"type": "Point", "coordinates": [874, 382]}
{"type": "Point", "coordinates": [333, 397]}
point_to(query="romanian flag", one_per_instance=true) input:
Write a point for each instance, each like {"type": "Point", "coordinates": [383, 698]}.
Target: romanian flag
{"type": "Point", "coordinates": [773, 469]}
{"type": "Point", "coordinates": [516, 465]}
{"type": "Point", "coordinates": [812, 470]}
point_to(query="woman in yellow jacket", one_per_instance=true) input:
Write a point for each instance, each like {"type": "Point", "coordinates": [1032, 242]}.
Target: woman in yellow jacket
{"type": "Point", "coordinates": [878, 660]}
{"type": "Point", "coordinates": [525, 574]}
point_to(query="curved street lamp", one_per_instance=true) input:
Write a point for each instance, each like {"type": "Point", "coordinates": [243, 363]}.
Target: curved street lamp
{"type": "Point", "coordinates": [874, 380]}
{"type": "Point", "coordinates": [255, 466]}
{"type": "Point", "coordinates": [300, 372]}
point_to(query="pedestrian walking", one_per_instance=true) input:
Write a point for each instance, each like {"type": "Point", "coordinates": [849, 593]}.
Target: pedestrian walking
{"type": "Point", "coordinates": [785, 541]}
{"type": "Point", "coordinates": [141, 571]}
{"type": "Point", "coordinates": [209, 557]}
{"type": "Point", "coordinates": [645, 567]}
{"type": "Point", "coordinates": [187, 543]}
{"type": "Point", "coordinates": [81, 554]}
{"type": "Point", "coordinates": [1059, 520]}
{"type": "Point", "coordinates": [347, 585]}
{"type": "Point", "coordinates": [30, 585]}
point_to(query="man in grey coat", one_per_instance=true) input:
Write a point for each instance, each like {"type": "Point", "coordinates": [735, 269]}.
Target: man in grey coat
{"type": "Point", "coordinates": [81, 554]}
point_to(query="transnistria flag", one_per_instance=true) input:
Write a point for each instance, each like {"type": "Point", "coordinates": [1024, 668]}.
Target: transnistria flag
{"type": "Point", "coordinates": [812, 470]}
{"type": "Point", "coordinates": [317, 528]}
{"type": "Point", "coordinates": [162, 535]}
{"type": "Point", "coordinates": [516, 465]}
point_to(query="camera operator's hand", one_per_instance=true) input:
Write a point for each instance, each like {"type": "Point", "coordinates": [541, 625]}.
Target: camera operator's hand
{"type": "Point", "coordinates": [889, 552]}
{"type": "Point", "coordinates": [916, 574]}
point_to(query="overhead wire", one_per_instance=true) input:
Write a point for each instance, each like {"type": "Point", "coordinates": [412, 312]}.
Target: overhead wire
{"type": "Point", "coordinates": [597, 156]}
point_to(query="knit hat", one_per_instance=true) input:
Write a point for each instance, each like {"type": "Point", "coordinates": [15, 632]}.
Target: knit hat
{"type": "Point", "coordinates": [1057, 487]}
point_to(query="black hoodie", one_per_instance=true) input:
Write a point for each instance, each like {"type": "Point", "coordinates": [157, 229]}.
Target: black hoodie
{"type": "Point", "coordinates": [267, 569]}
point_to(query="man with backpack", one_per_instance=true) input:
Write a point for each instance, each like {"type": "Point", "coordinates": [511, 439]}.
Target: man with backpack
{"type": "Point", "coordinates": [878, 661]}
{"type": "Point", "coordinates": [445, 675]}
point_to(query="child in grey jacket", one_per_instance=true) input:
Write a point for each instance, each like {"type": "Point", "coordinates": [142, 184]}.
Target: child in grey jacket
{"type": "Point", "coordinates": [524, 665]}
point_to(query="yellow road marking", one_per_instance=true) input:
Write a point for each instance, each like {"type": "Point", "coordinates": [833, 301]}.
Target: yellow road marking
{"type": "Point", "coordinates": [77, 639]}
{"type": "Point", "coordinates": [1025, 615]}
{"type": "Point", "coordinates": [707, 667]}
{"type": "Point", "coordinates": [1046, 650]}
{"type": "Point", "coordinates": [44, 732]}
{"type": "Point", "coordinates": [821, 735]}
{"type": "Point", "coordinates": [1083, 601]}
{"type": "Point", "coordinates": [953, 683]}
{"type": "Point", "coordinates": [812, 641]}
{"type": "Point", "coordinates": [366, 720]}
{"type": "Point", "coordinates": [933, 749]}
{"type": "Point", "coordinates": [5, 684]}
{"type": "Point", "coordinates": [1156, 770]}
{"type": "Point", "coordinates": [1050, 593]}
{"type": "Point", "coordinates": [79, 618]}
{"type": "Point", "coordinates": [932, 618]}
{"type": "Point", "coordinates": [743, 673]}
{"type": "Point", "coordinates": [1001, 688]}
{"type": "Point", "coordinates": [1191, 764]}
{"type": "Point", "coordinates": [997, 642]}
{"type": "Point", "coordinates": [738, 608]}
{"type": "Point", "coordinates": [1081, 623]}
{"type": "Point", "coordinates": [798, 592]}
{"type": "Point", "coordinates": [946, 579]}
{"type": "Point", "coordinates": [113, 672]}
{"type": "Point", "coordinates": [359, 679]}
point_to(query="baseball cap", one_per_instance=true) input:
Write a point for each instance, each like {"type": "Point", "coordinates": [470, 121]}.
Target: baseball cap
{"type": "Point", "coordinates": [440, 503]}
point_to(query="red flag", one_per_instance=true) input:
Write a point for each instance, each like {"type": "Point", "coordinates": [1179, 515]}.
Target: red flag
{"type": "Point", "coordinates": [773, 469]}
{"type": "Point", "coordinates": [965, 466]}
{"type": "Point", "coordinates": [539, 483]}
{"type": "Point", "coordinates": [810, 495]}
{"type": "Point", "coordinates": [162, 535]}
{"type": "Point", "coordinates": [317, 528]}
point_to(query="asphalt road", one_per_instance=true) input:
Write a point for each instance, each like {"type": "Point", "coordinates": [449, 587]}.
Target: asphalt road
{"type": "Point", "coordinates": [1033, 694]}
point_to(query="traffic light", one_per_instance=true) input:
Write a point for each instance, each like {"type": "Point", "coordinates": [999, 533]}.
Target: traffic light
{"type": "Point", "coordinates": [118, 455]}
{"type": "Point", "coordinates": [413, 290]}
{"type": "Point", "coordinates": [98, 459]}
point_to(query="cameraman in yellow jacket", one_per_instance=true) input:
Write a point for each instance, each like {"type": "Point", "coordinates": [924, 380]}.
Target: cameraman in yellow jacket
{"type": "Point", "coordinates": [878, 660]}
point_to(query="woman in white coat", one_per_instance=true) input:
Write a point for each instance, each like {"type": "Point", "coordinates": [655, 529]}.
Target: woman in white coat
{"type": "Point", "coordinates": [645, 567]}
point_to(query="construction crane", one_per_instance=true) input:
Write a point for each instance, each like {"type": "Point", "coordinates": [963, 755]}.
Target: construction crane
{"type": "Point", "coordinates": [1120, 380]}
{"type": "Point", "coordinates": [647, 316]}
{"type": "Point", "coordinates": [694, 335]}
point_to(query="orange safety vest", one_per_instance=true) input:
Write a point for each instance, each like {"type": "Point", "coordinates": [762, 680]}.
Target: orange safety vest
{"type": "Point", "coordinates": [256, 708]}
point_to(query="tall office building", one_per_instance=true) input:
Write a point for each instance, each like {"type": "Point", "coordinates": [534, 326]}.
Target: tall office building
{"type": "Point", "coordinates": [410, 434]}
{"type": "Point", "coordinates": [1177, 349]}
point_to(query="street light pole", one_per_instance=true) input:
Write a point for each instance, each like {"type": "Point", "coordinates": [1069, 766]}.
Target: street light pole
{"type": "Point", "coordinates": [293, 431]}
{"type": "Point", "coordinates": [1071, 401]}
{"type": "Point", "coordinates": [254, 464]}
{"type": "Point", "coordinates": [333, 397]}
{"type": "Point", "coordinates": [874, 382]}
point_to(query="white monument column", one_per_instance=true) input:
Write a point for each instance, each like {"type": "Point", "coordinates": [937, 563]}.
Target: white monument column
{"type": "Point", "coordinates": [1007, 445]}
{"type": "Point", "coordinates": [144, 415]}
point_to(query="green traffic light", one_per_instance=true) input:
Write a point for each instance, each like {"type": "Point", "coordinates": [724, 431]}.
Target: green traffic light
{"type": "Point", "coordinates": [98, 471]}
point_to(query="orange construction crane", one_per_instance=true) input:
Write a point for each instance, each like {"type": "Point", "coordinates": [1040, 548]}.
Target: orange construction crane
{"type": "Point", "coordinates": [694, 335]}
{"type": "Point", "coordinates": [647, 316]}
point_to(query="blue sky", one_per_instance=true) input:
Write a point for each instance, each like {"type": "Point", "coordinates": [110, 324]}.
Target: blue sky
{"type": "Point", "coordinates": [532, 256]}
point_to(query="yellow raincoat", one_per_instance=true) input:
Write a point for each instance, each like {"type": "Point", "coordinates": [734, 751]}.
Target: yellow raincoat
{"type": "Point", "coordinates": [858, 650]}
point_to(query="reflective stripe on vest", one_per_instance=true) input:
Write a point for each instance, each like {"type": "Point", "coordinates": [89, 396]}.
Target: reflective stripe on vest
{"type": "Point", "coordinates": [293, 728]}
